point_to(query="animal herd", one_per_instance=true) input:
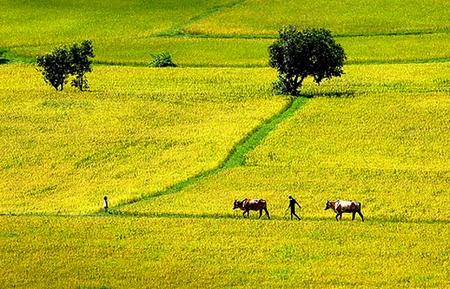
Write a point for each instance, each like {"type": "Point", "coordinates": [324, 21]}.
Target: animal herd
{"type": "Point", "coordinates": [338, 206]}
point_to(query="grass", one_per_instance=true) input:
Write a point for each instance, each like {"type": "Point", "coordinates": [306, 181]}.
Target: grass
{"type": "Point", "coordinates": [136, 153]}
{"type": "Point", "coordinates": [61, 152]}
{"type": "Point", "coordinates": [86, 252]}
{"type": "Point", "coordinates": [350, 17]}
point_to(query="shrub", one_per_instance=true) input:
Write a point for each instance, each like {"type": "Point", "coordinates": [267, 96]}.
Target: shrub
{"type": "Point", "coordinates": [3, 58]}
{"type": "Point", "coordinates": [163, 59]}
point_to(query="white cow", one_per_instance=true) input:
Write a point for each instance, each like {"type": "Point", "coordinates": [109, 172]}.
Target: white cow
{"type": "Point", "coordinates": [341, 206]}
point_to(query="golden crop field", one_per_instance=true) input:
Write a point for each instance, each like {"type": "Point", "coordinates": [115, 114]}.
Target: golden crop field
{"type": "Point", "coordinates": [172, 148]}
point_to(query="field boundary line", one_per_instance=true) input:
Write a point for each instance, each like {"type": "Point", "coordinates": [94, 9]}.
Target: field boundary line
{"type": "Point", "coordinates": [238, 216]}
{"type": "Point", "coordinates": [348, 62]}
{"type": "Point", "coordinates": [186, 35]}
{"type": "Point", "coordinates": [23, 59]}
{"type": "Point", "coordinates": [236, 157]}
{"type": "Point", "coordinates": [336, 35]}
{"type": "Point", "coordinates": [178, 30]}
{"type": "Point", "coordinates": [229, 216]}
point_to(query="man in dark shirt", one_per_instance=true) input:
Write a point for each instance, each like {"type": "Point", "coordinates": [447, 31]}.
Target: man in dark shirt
{"type": "Point", "coordinates": [292, 203]}
{"type": "Point", "coordinates": [105, 204]}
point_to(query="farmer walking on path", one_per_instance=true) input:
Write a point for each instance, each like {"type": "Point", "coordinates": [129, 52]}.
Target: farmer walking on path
{"type": "Point", "coordinates": [105, 204]}
{"type": "Point", "coordinates": [292, 203]}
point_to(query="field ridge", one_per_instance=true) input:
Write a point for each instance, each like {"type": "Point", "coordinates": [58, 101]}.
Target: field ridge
{"type": "Point", "coordinates": [228, 216]}
{"type": "Point", "coordinates": [178, 30]}
{"type": "Point", "coordinates": [348, 62]}
{"type": "Point", "coordinates": [184, 34]}
{"type": "Point", "coordinates": [17, 58]}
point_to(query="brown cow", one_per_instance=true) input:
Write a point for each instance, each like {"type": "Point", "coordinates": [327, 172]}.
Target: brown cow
{"type": "Point", "coordinates": [251, 204]}
{"type": "Point", "coordinates": [340, 207]}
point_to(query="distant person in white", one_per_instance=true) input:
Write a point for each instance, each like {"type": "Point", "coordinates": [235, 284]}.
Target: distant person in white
{"type": "Point", "coordinates": [105, 203]}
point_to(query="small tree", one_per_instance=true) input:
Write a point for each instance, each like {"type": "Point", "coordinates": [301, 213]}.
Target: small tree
{"type": "Point", "coordinates": [63, 61]}
{"type": "Point", "coordinates": [80, 63]}
{"type": "Point", "coordinates": [55, 67]}
{"type": "Point", "coordinates": [299, 54]}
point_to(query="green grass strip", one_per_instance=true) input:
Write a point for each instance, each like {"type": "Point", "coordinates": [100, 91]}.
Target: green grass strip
{"type": "Point", "coordinates": [235, 158]}
{"type": "Point", "coordinates": [15, 58]}
{"type": "Point", "coordinates": [22, 59]}
{"type": "Point", "coordinates": [179, 33]}
{"type": "Point", "coordinates": [238, 154]}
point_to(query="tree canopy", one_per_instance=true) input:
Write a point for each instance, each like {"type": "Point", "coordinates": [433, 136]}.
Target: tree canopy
{"type": "Point", "coordinates": [64, 61]}
{"type": "Point", "coordinates": [299, 54]}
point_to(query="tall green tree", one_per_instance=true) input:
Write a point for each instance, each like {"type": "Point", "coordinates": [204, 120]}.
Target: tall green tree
{"type": "Point", "coordinates": [299, 54]}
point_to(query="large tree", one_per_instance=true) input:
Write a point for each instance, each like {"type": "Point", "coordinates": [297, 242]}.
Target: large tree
{"type": "Point", "coordinates": [299, 54]}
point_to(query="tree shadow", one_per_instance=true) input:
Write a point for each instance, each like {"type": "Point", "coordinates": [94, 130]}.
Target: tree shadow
{"type": "Point", "coordinates": [329, 94]}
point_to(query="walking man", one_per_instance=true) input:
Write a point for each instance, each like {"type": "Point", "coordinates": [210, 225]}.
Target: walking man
{"type": "Point", "coordinates": [105, 203]}
{"type": "Point", "coordinates": [292, 203]}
